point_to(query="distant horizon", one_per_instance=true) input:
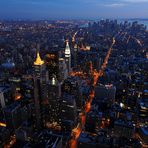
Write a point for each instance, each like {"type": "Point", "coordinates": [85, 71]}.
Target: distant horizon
{"type": "Point", "coordinates": [70, 19]}
{"type": "Point", "coordinates": [72, 9]}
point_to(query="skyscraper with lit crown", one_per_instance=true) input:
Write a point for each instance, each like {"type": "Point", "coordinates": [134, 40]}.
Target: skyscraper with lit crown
{"type": "Point", "coordinates": [39, 88]}
{"type": "Point", "coordinates": [38, 65]}
{"type": "Point", "coordinates": [68, 56]}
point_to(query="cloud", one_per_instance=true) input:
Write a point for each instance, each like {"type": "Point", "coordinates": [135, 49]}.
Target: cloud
{"type": "Point", "coordinates": [114, 5]}
{"type": "Point", "coordinates": [135, 1]}
{"type": "Point", "coordinates": [122, 3]}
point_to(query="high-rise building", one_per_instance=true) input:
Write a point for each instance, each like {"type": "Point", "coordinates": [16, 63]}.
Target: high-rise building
{"type": "Point", "coordinates": [68, 56]}
{"type": "Point", "coordinates": [39, 80]}
{"type": "Point", "coordinates": [68, 112]}
{"type": "Point", "coordinates": [13, 116]}
{"type": "Point", "coordinates": [52, 63]}
{"type": "Point", "coordinates": [27, 87]}
{"type": "Point", "coordinates": [52, 107]}
{"type": "Point", "coordinates": [63, 72]}
{"type": "Point", "coordinates": [71, 87]}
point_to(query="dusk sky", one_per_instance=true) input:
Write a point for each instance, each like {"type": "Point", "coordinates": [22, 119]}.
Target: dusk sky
{"type": "Point", "coordinates": [69, 9]}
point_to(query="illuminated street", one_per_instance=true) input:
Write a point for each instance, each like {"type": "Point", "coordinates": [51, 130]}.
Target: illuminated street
{"type": "Point", "coordinates": [96, 75]}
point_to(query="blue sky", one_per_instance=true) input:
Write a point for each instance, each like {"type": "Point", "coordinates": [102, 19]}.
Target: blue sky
{"type": "Point", "coordinates": [61, 9]}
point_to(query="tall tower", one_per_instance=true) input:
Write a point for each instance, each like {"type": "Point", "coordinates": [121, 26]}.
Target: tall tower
{"type": "Point", "coordinates": [41, 74]}
{"type": "Point", "coordinates": [52, 118]}
{"type": "Point", "coordinates": [68, 56]}
{"type": "Point", "coordinates": [38, 79]}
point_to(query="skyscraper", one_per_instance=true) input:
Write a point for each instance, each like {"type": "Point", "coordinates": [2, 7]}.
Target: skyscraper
{"type": "Point", "coordinates": [71, 86]}
{"type": "Point", "coordinates": [39, 86]}
{"type": "Point", "coordinates": [68, 112]}
{"type": "Point", "coordinates": [13, 116]}
{"type": "Point", "coordinates": [68, 56]}
{"type": "Point", "coordinates": [52, 119]}
{"type": "Point", "coordinates": [52, 63]}
{"type": "Point", "coordinates": [63, 72]}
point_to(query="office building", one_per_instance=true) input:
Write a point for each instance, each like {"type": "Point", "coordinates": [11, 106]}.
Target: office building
{"type": "Point", "coordinates": [68, 113]}
{"type": "Point", "coordinates": [52, 63]}
{"type": "Point", "coordinates": [63, 71]}
{"type": "Point", "coordinates": [68, 56]}
{"type": "Point", "coordinates": [39, 80]}
{"type": "Point", "coordinates": [13, 116]}
{"type": "Point", "coordinates": [52, 113]}
{"type": "Point", "coordinates": [71, 87]}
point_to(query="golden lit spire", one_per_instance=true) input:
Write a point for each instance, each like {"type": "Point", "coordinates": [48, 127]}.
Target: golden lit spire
{"type": "Point", "coordinates": [38, 60]}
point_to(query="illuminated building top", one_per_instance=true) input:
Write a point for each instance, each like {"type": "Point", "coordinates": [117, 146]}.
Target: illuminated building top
{"type": "Point", "coordinates": [53, 82]}
{"type": "Point", "coordinates": [38, 60]}
{"type": "Point", "coordinates": [67, 50]}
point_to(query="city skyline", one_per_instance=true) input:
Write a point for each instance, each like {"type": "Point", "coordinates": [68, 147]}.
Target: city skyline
{"type": "Point", "coordinates": [73, 84]}
{"type": "Point", "coordinates": [68, 9]}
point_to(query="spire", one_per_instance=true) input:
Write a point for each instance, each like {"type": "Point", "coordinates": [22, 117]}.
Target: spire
{"type": "Point", "coordinates": [38, 60]}
{"type": "Point", "coordinates": [67, 50]}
